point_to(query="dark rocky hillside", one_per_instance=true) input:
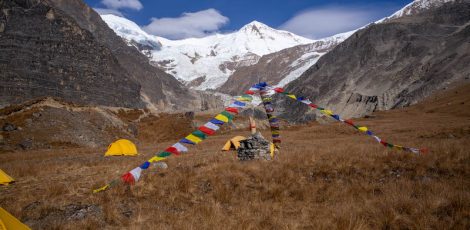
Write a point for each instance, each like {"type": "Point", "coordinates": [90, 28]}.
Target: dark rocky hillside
{"type": "Point", "coordinates": [44, 52]}
{"type": "Point", "coordinates": [63, 49]}
{"type": "Point", "coordinates": [389, 65]}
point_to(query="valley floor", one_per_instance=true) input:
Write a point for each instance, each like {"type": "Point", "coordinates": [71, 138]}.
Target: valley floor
{"type": "Point", "coordinates": [326, 176]}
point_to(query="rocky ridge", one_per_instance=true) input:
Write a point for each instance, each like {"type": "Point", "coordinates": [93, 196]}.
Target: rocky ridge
{"type": "Point", "coordinates": [388, 65]}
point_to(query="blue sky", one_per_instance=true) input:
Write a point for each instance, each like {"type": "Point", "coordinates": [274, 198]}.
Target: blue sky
{"type": "Point", "coordinates": [177, 19]}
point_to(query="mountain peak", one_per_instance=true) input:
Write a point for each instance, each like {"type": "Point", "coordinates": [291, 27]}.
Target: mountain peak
{"type": "Point", "coordinates": [255, 26]}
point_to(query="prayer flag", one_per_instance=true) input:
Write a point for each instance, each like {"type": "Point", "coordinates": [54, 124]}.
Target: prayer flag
{"type": "Point", "coordinates": [212, 126]}
{"type": "Point", "coordinates": [181, 148]}
{"type": "Point", "coordinates": [217, 122]}
{"type": "Point", "coordinates": [206, 130]}
{"type": "Point", "coordinates": [193, 138]}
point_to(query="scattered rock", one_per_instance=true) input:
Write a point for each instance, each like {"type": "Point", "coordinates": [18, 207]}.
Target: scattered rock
{"type": "Point", "coordinates": [36, 115]}
{"type": "Point", "coordinates": [26, 144]}
{"type": "Point", "coordinates": [132, 129]}
{"type": "Point", "coordinates": [161, 165]}
{"type": "Point", "coordinates": [79, 212]}
{"type": "Point", "coordinates": [189, 115]}
{"type": "Point", "coordinates": [8, 127]}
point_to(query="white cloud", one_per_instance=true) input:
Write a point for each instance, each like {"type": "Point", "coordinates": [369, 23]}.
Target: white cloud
{"type": "Point", "coordinates": [108, 11]}
{"type": "Point", "coordinates": [197, 24]}
{"type": "Point", "coordinates": [122, 4]}
{"type": "Point", "coordinates": [331, 20]}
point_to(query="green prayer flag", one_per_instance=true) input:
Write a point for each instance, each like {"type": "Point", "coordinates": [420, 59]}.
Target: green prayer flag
{"type": "Point", "coordinates": [200, 134]}
{"type": "Point", "coordinates": [228, 115]}
{"type": "Point", "coordinates": [163, 154]}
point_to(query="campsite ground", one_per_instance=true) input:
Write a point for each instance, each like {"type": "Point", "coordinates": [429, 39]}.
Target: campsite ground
{"type": "Point", "coordinates": [326, 176]}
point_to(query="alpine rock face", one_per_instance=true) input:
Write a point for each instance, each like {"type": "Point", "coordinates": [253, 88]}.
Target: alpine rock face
{"type": "Point", "coordinates": [387, 65]}
{"type": "Point", "coordinates": [63, 49]}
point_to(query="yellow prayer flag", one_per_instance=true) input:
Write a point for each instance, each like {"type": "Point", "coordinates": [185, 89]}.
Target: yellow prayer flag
{"type": "Point", "coordinates": [328, 112]}
{"type": "Point", "coordinates": [194, 138]}
{"type": "Point", "coordinates": [156, 159]}
{"type": "Point", "coordinates": [221, 117]}
{"type": "Point", "coordinates": [292, 96]}
{"type": "Point", "coordinates": [363, 128]}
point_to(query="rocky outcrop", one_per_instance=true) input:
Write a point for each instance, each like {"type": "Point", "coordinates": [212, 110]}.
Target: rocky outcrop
{"type": "Point", "coordinates": [388, 65]}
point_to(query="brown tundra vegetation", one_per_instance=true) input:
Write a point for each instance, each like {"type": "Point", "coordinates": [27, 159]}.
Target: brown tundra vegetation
{"type": "Point", "coordinates": [327, 176]}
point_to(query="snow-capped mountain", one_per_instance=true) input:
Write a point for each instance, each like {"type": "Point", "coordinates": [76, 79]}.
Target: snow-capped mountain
{"type": "Point", "coordinates": [206, 63]}
{"type": "Point", "coordinates": [213, 62]}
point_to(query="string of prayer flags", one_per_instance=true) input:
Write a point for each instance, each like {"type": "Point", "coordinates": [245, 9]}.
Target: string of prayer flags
{"type": "Point", "coordinates": [349, 122]}
{"type": "Point", "coordinates": [193, 138]}
{"type": "Point", "coordinates": [266, 93]}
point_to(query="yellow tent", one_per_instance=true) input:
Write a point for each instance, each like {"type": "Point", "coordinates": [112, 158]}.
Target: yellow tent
{"type": "Point", "coordinates": [121, 147]}
{"type": "Point", "coordinates": [5, 179]}
{"type": "Point", "coordinates": [233, 143]}
{"type": "Point", "coordinates": [7, 222]}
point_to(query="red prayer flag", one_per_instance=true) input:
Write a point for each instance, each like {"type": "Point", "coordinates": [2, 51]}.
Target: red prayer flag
{"type": "Point", "coordinates": [128, 178]}
{"type": "Point", "coordinates": [249, 92]}
{"type": "Point", "coordinates": [173, 150]}
{"type": "Point", "coordinates": [313, 105]}
{"type": "Point", "coordinates": [232, 110]}
{"type": "Point", "coordinates": [349, 122]}
{"type": "Point", "coordinates": [206, 130]}
{"type": "Point", "coordinates": [424, 150]}
{"type": "Point", "coordinates": [383, 143]}
{"type": "Point", "coordinates": [279, 90]}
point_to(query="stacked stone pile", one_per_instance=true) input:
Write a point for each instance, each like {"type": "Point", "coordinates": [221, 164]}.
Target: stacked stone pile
{"type": "Point", "coordinates": [254, 147]}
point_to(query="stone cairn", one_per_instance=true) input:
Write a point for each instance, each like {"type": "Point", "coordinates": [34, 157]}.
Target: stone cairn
{"type": "Point", "coordinates": [254, 147]}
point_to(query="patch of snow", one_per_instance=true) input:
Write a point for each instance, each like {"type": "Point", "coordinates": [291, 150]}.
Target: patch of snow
{"type": "Point", "coordinates": [300, 66]}
{"type": "Point", "coordinates": [130, 31]}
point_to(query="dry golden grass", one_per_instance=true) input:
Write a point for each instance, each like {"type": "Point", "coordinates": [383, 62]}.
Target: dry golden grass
{"type": "Point", "coordinates": [326, 177]}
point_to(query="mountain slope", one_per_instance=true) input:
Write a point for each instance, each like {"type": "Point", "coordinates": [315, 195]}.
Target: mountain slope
{"type": "Point", "coordinates": [44, 52]}
{"type": "Point", "coordinates": [63, 49]}
{"type": "Point", "coordinates": [282, 67]}
{"type": "Point", "coordinates": [389, 65]}
{"type": "Point", "coordinates": [415, 7]}
{"type": "Point", "coordinates": [159, 90]}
